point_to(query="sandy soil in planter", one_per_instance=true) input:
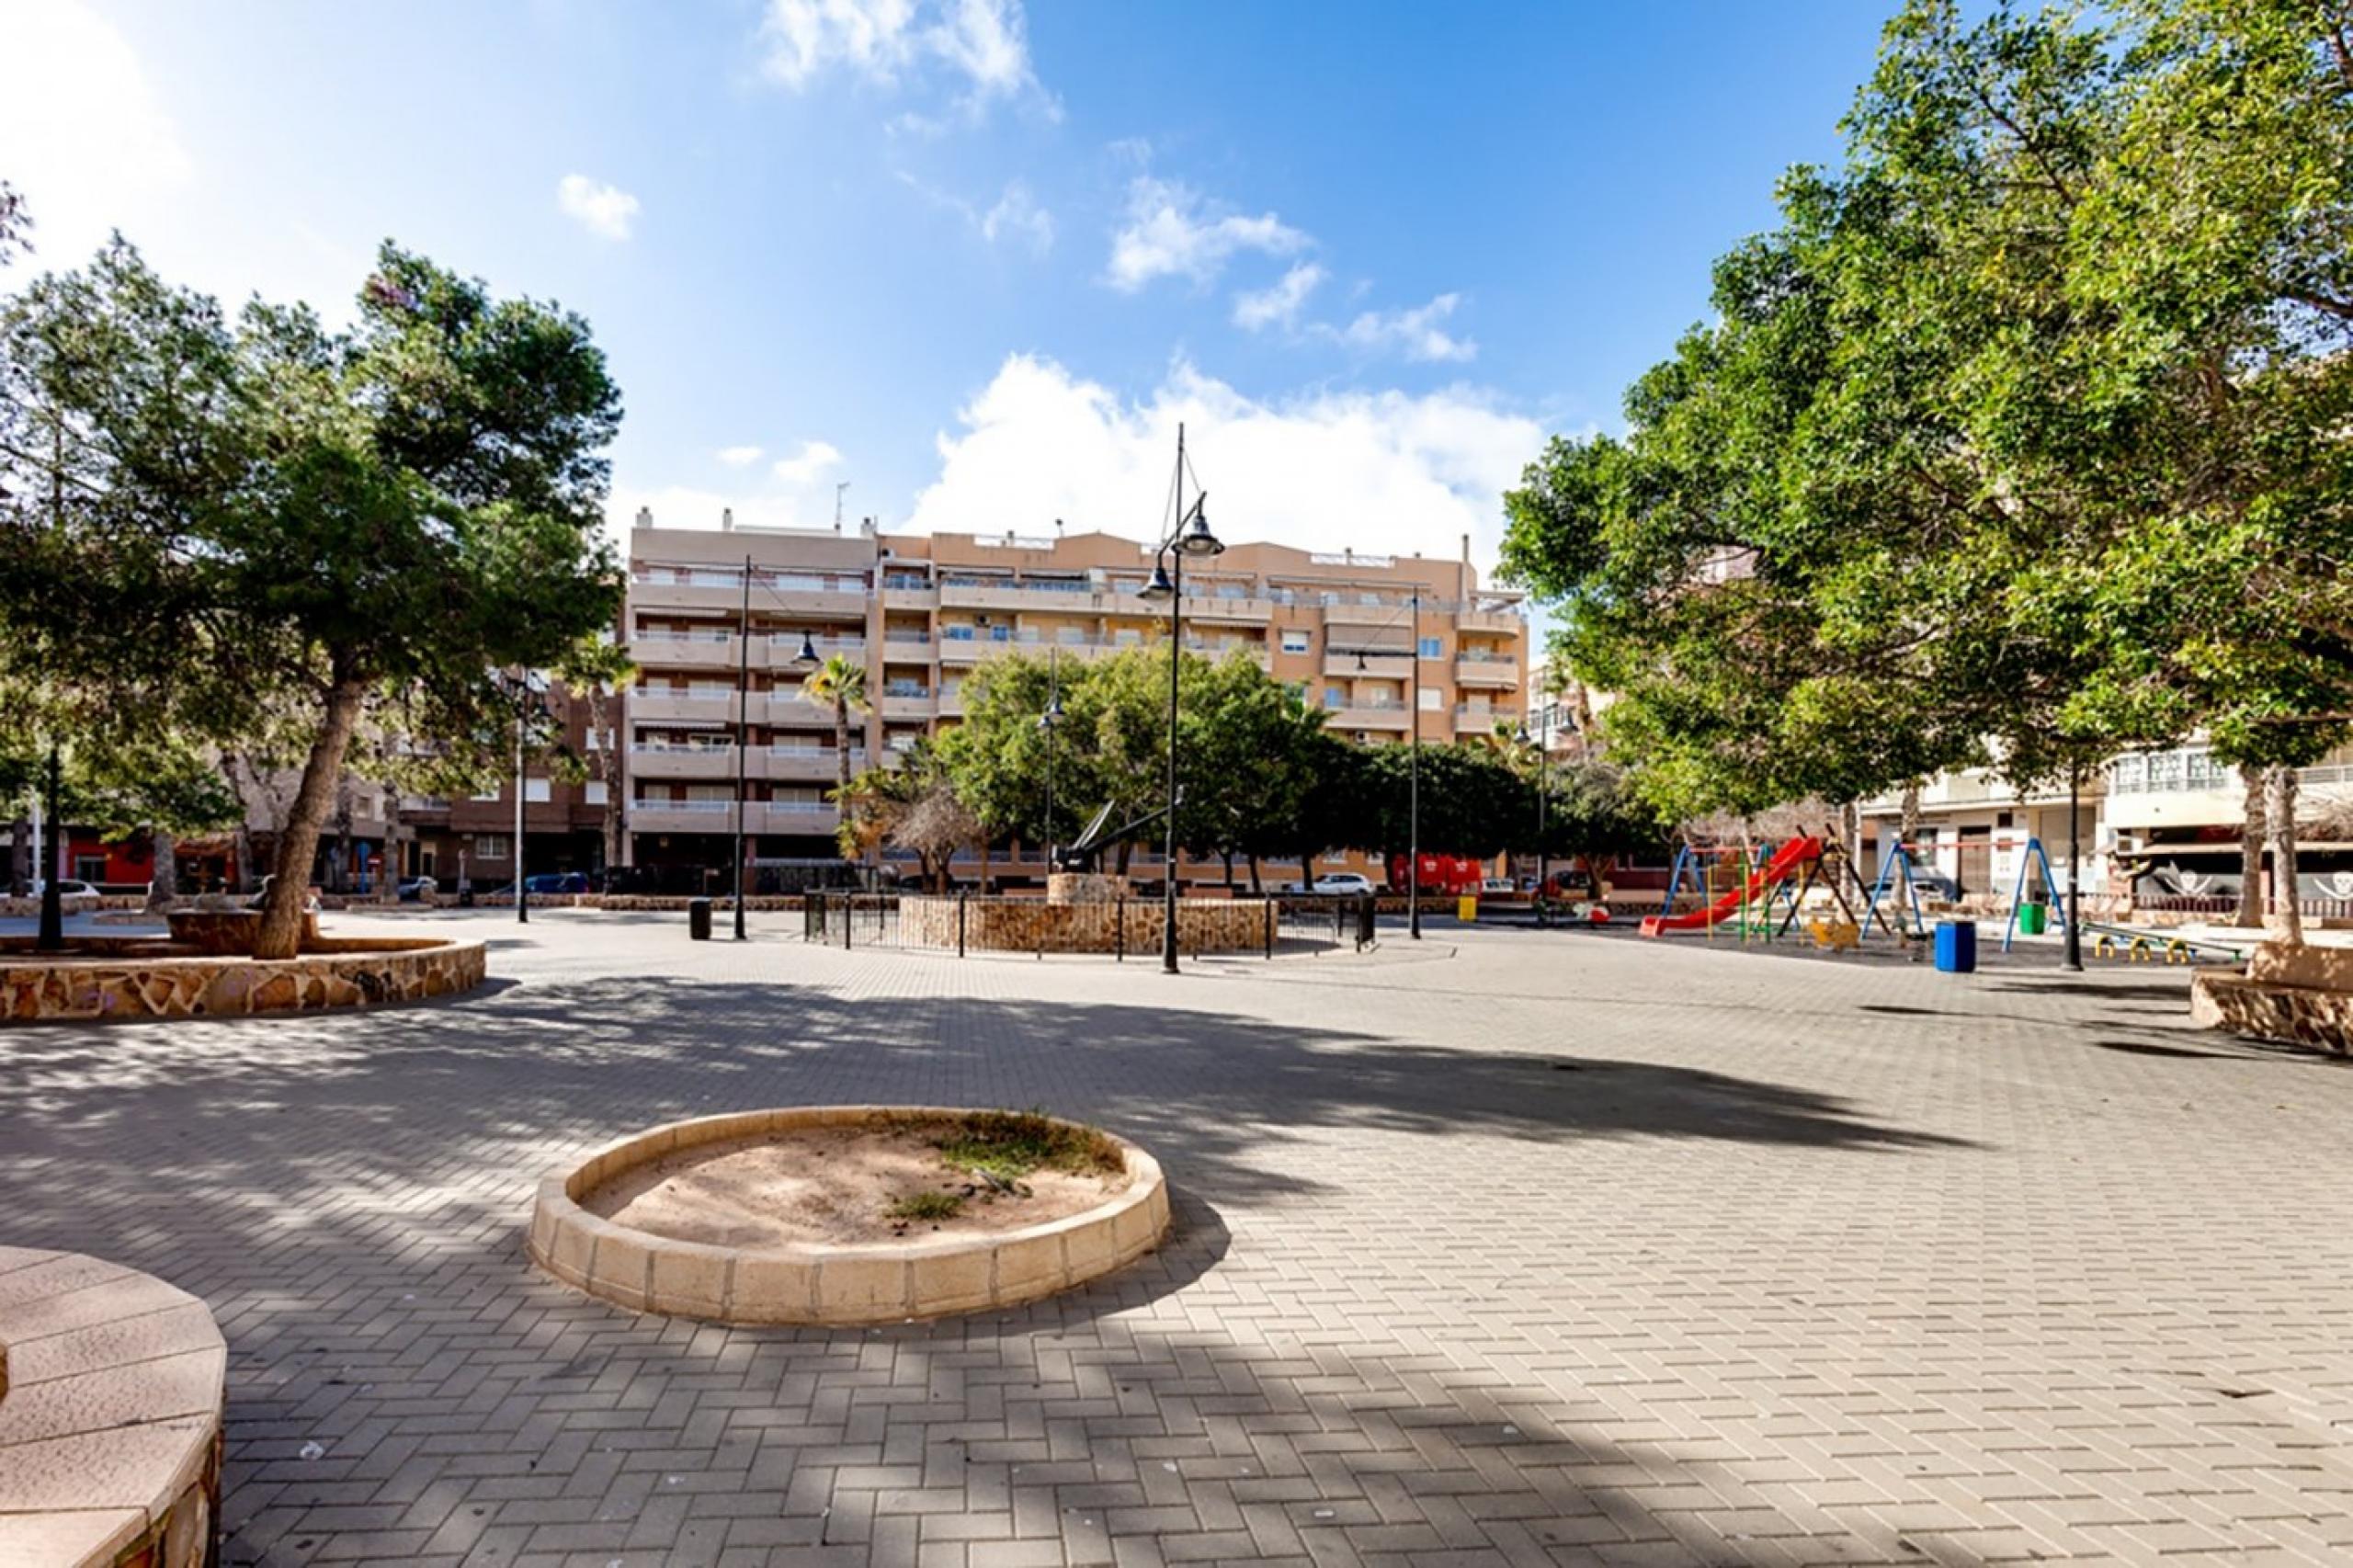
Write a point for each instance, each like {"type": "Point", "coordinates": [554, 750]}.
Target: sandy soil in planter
{"type": "Point", "coordinates": [832, 1184]}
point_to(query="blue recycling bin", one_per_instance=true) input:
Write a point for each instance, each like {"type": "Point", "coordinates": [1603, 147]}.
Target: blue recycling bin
{"type": "Point", "coordinates": [1957, 946]}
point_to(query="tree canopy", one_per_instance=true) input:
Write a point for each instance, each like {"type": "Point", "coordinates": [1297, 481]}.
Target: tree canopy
{"type": "Point", "coordinates": [2019, 442]}
{"type": "Point", "coordinates": [223, 527]}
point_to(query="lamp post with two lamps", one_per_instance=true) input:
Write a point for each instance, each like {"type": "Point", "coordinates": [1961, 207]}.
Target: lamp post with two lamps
{"type": "Point", "coordinates": [1191, 535]}
{"type": "Point", "coordinates": [1543, 791]}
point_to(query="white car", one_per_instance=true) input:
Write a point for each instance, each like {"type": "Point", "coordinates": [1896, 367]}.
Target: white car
{"type": "Point", "coordinates": [1343, 882]}
{"type": "Point", "coordinates": [67, 887]}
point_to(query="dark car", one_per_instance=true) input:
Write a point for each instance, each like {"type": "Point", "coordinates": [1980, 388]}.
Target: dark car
{"type": "Point", "coordinates": [556, 882]}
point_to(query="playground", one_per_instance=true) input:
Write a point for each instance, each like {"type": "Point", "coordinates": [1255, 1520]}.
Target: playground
{"type": "Point", "coordinates": [1812, 889]}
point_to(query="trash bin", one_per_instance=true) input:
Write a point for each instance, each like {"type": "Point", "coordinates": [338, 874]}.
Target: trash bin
{"type": "Point", "coordinates": [1466, 907]}
{"type": "Point", "coordinates": [1957, 946]}
{"type": "Point", "coordinates": [2034, 919]}
{"type": "Point", "coordinates": [698, 919]}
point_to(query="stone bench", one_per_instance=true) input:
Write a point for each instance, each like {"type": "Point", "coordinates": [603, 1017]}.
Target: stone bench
{"type": "Point", "coordinates": [111, 1387]}
{"type": "Point", "coordinates": [2298, 993]}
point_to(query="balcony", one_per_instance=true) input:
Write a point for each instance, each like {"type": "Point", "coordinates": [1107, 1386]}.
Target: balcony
{"type": "Point", "coordinates": [1473, 719]}
{"type": "Point", "coordinates": [1343, 666]}
{"type": "Point", "coordinates": [683, 650]}
{"type": "Point", "coordinates": [1218, 608]}
{"type": "Point", "coordinates": [791, 816]}
{"type": "Point", "coordinates": [1472, 670]}
{"type": "Point", "coordinates": [906, 703]}
{"type": "Point", "coordinates": [698, 705]}
{"type": "Point", "coordinates": [807, 764]}
{"type": "Point", "coordinates": [786, 706]}
{"type": "Point", "coordinates": [951, 702]}
{"type": "Point", "coordinates": [1371, 716]}
{"type": "Point", "coordinates": [654, 761]}
{"type": "Point", "coordinates": [683, 816]}
{"type": "Point", "coordinates": [1502, 620]}
{"type": "Point", "coordinates": [909, 592]}
{"type": "Point", "coordinates": [779, 651]}
{"type": "Point", "coordinates": [1352, 611]}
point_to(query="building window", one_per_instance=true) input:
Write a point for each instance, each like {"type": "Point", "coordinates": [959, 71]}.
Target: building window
{"type": "Point", "coordinates": [90, 867]}
{"type": "Point", "coordinates": [593, 792]}
{"type": "Point", "coordinates": [489, 847]}
{"type": "Point", "coordinates": [1430, 648]}
{"type": "Point", "coordinates": [1297, 640]}
{"type": "Point", "coordinates": [1334, 698]}
{"type": "Point", "coordinates": [535, 790]}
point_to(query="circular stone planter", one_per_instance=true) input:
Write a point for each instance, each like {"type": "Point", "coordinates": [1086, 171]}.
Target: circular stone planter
{"type": "Point", "coordinates": [110, 1415]}
{"type": "Point", "coordinates": [810, 1282]}
{"type": "Point", "coordinates": [136, 977]}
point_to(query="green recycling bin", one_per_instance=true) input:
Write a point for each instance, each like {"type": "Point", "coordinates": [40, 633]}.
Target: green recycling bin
{"type": "Point", "coordinates": [2033, 919]}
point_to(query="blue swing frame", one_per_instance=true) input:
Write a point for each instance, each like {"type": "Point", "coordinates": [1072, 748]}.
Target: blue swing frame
{"type": "Point", "coordinates": [2034, 852]}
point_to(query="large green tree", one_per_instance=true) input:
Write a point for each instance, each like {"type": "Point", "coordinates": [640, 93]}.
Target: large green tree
{"type": "Point", "coordinates": [2020, 442]}
{"type": "Point", "coordinates": [360, 526]}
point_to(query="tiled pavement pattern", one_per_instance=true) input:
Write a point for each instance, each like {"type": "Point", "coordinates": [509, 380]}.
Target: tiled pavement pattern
{"type": "Point", "coordinates": [1519, 1248]}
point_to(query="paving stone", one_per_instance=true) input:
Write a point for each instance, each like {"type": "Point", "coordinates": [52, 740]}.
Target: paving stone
{"type": "Point", "coordinates": [1503, 1247]}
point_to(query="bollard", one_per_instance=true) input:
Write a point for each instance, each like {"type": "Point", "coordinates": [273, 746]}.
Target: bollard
{"type": "Point", "coordinates": [1269, 913]}
{"type": "Point", "coordinates": [1118, 930]}
{"type": "Point", "coordinates": [698, 919]}
{"type": "Point", "coordinates": [1367, 921]}
{"type": "Point", "coordinates": [960, 923]}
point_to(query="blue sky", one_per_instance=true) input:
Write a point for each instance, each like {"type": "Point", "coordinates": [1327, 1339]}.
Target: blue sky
{"type": "Point", "coordinates": [974, 259]}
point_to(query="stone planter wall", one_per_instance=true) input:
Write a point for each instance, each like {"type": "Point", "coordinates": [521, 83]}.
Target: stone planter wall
{"type": "Point", "coordinates": [105, 978]}
{"type": "Point", "coordinates": [111, 1389]}
{"type": "Point", "coordinates": [1032, 926]}
{"type": "Point", "coordinates": [2301, 995]}
{"type": "Point", "coordinates": [816, 1283]}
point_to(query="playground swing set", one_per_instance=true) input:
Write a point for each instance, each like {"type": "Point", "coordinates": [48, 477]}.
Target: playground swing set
{"type": "Point", "coordinates": [1767, 894]}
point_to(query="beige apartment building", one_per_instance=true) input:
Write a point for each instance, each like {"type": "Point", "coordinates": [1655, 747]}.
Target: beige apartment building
{"type": "Point", "coordinates": [920, 613]}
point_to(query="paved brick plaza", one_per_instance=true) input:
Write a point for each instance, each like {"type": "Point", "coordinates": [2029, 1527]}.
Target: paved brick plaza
{"type": "Point", "coordinates": [1521, 1248]}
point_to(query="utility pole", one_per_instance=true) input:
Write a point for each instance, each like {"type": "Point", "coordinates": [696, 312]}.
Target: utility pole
{"type": "Point", "coordinates": [1176, 651]}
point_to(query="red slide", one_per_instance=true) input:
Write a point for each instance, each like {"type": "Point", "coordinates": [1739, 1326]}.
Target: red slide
{"type": "Point", "coordinates": [1779, 868]}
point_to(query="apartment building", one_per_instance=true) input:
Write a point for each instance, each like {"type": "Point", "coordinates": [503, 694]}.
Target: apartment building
{"type": "Point", "coordinates": [1358, 634]}
{"type": "Point", "coordinates": [470, 840]}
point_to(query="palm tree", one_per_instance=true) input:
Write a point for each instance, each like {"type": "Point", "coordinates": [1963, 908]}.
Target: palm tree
{"type": "Point", "coordinates": [841, 684]}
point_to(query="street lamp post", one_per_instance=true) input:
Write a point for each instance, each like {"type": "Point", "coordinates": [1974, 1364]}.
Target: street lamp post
{"type": "Point", "coordinates": [1543, 860]}
{"type": "Point", "coordinates": [1413, 787]}
{"type": "Point", "coordinates": [742, 731]}
{"type": "Point", "coordinates": [1050, 722]}
{"type": "Point", "coordinates": [1181, 541]}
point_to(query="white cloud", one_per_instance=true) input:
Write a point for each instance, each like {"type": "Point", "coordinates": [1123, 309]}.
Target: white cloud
{"type": "Point", "coordinates": [1382, 472]}
{"type": "Point", "coordinates": [1415, 333]}
{"type": "Point", "coordinates": [601, 209]}
{"type": "Point", "coordinates": [980, 44]}
{"type": "Point", "coordinates": [1277, 305]}
{"type": "Point", "coordinates": [1172, 232]}
{"type": "Point", "coordinates": [815, 457]}
{"type": "Point", "coordinates": [739, 456]}
{"type": "Point", "coordinates": [82, 136]}
{"type": "Point", "coordinates": [1017, 215]}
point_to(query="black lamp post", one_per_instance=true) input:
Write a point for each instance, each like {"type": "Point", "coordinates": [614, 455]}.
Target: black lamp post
{"type": "Point", "coordinates": [1543, 759]}
{"type": "Point", "coordinates": [524, 706]}
{"type": "Point", "coordinates": [1050, 722]}
{"type": "Point", "coordinates": [742, 732]}
{"type": "Point", "coordinates": [1191, 535]}
{"type": "Point", "coordinates": [1413, 787]}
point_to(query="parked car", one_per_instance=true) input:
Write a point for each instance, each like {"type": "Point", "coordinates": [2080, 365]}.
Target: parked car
{"type": "Point", "coordinates": [1349, 882]}
{"type": "Point", "coordinates": [67, 887]}
{"type": "Point", "coordinates": [1499, 886]}
{"type": "Point", "coordinates": [550, 882]}
{"type": "Point", "coordinates": [415, 890]}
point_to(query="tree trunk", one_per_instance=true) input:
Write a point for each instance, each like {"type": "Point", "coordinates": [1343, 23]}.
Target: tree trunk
{"type": "Point", "coordinates": [1908, 824]}
{"type": "Point", "coordinates": [20, 856]}
{"type": "Point", "coordinates": [2280, 818]}
{"type": "Point", "coordinates": [608, 769]}
{"type": "Point", "coordinates": [281, 935]}
{"type": "Point", "coordinates": [243, 841]}
{"type": "Point", "coordinates": [985, 864]}
{"type": "Point", "coordinates": [2251, 828]}
{"type": "Point", "coordinates": [1256, 890]}
{"type": "Point", "coordinates": [1850, 830]}
{"type": "Point", "coordinates": [1229, 868]}
{"type": "Point", "coordinates": [1307, 870]}
{"type": "Point", "coordinates": [164, 886]}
